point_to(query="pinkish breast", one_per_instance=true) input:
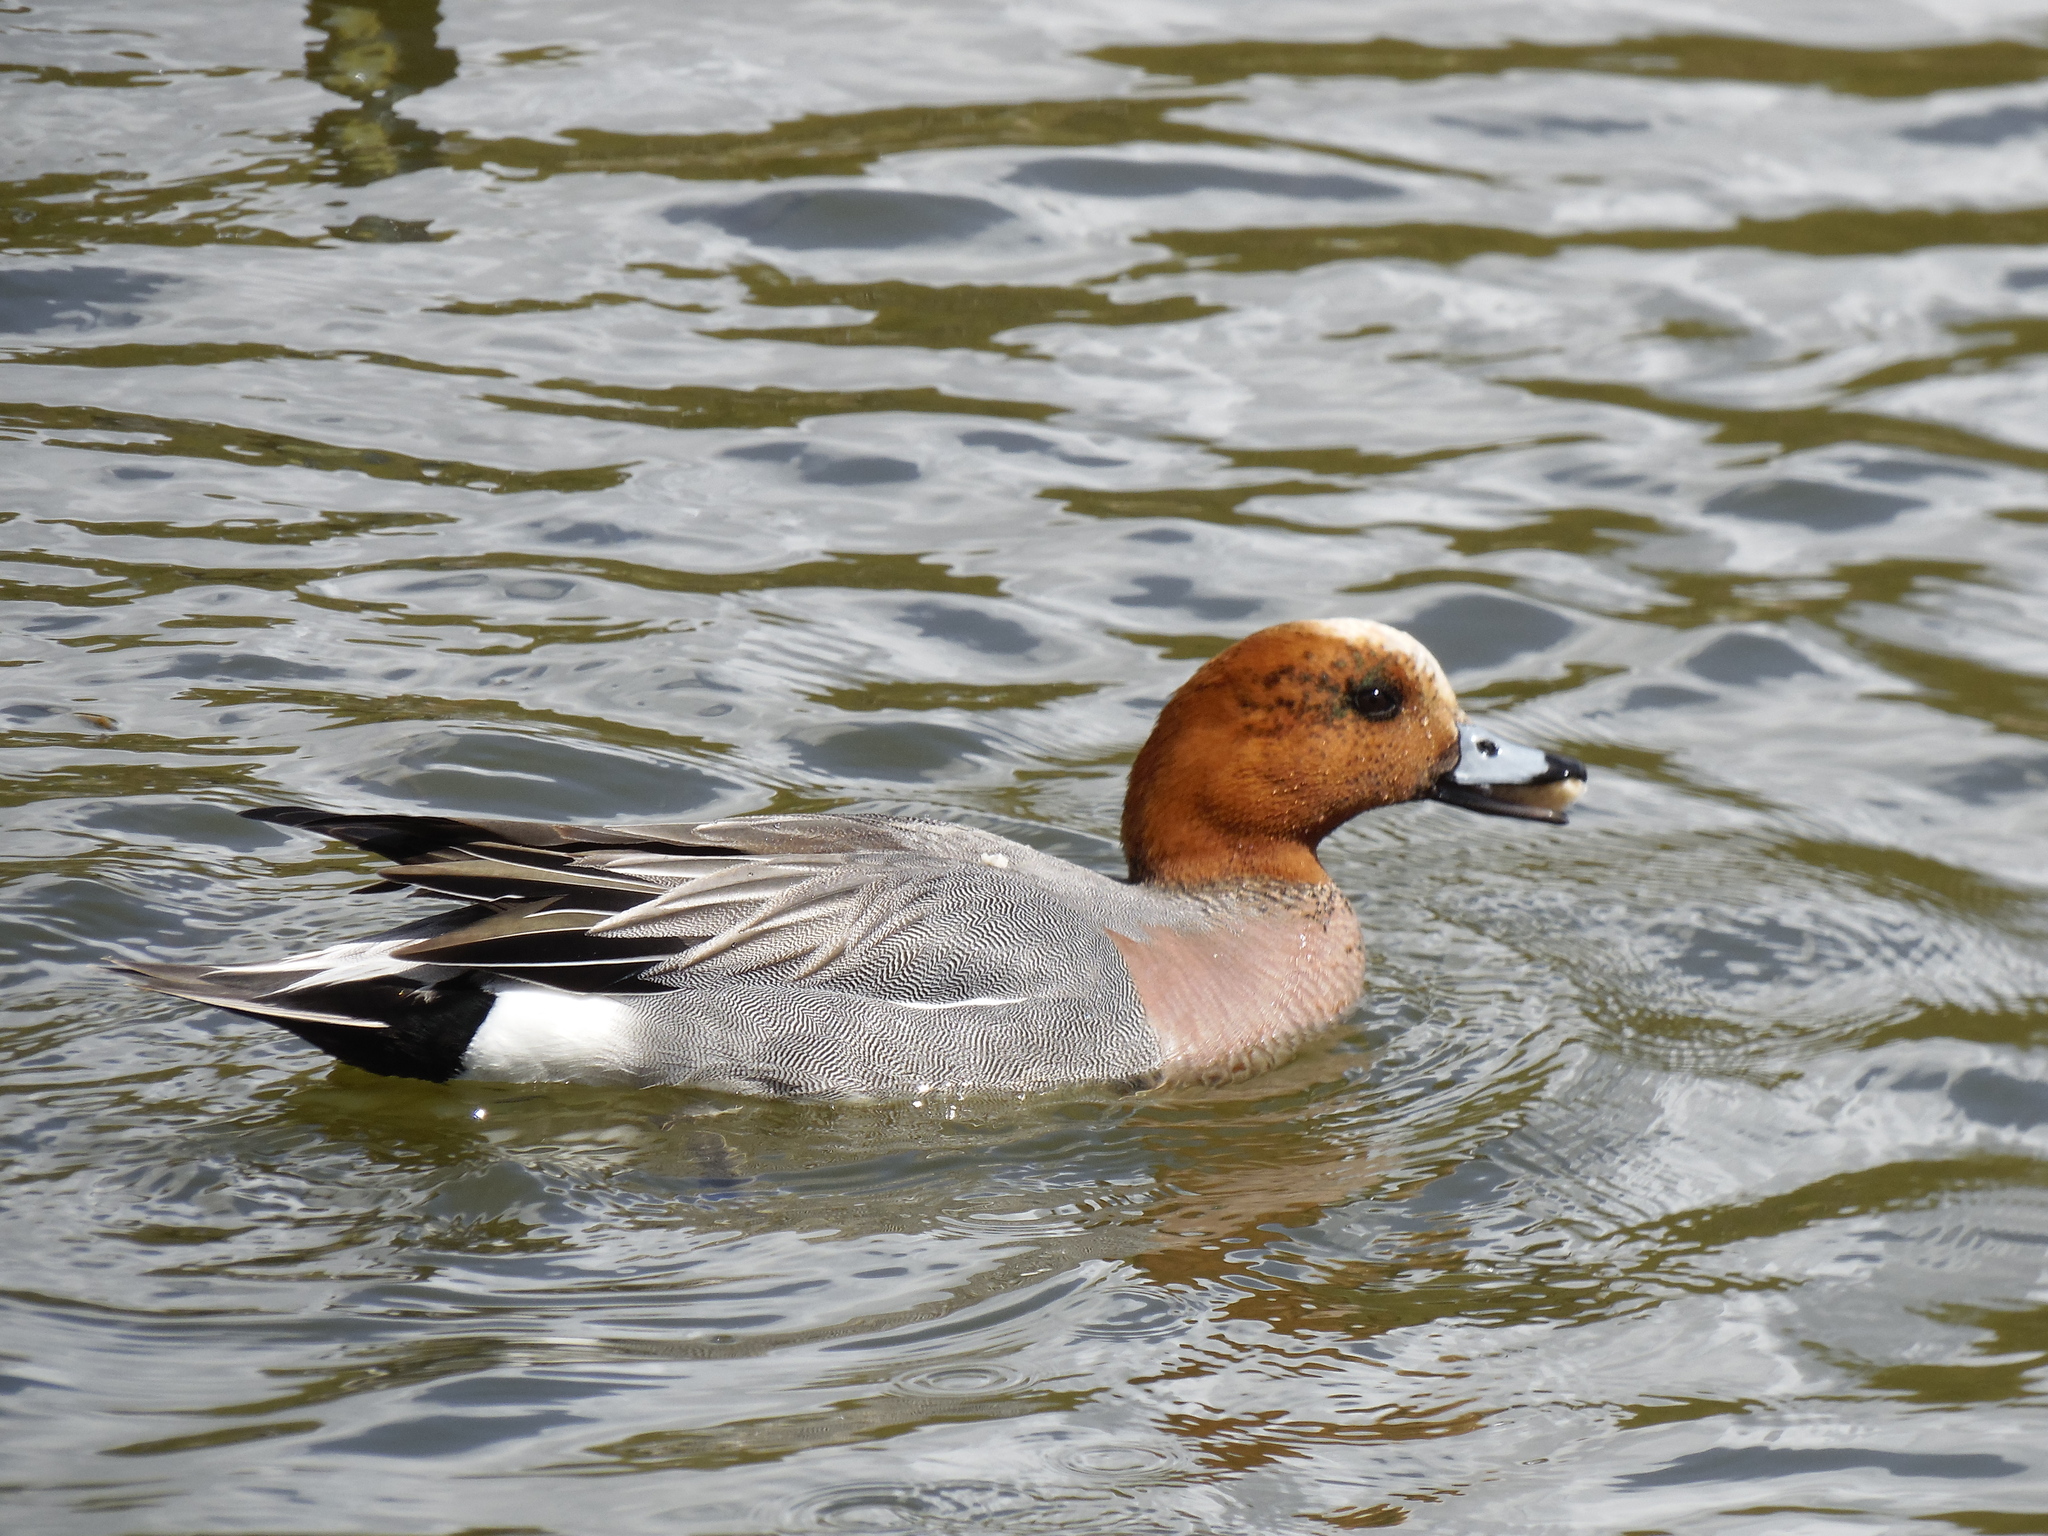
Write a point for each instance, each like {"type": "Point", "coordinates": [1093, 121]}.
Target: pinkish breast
{"type": "Point", "coordinates": [1242, 992]}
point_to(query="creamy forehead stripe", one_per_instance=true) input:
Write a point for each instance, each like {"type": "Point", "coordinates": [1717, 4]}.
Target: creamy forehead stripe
{"type": "Point", "coordinates": [1370, 634]}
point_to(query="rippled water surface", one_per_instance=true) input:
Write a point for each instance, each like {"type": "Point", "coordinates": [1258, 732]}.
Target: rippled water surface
{"type": "Point", "coordinates": [634, 410]}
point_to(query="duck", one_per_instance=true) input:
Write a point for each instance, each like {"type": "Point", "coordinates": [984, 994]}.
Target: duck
{"type": "Point", "coordinates": [839, 956]}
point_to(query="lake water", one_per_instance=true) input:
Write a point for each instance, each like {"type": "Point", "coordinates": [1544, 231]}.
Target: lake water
{"type": "Point", "coordinates": [641, 410]}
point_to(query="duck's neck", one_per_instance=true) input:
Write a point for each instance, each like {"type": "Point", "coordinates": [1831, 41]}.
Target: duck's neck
{"type": "Point", "coordinates": [1194, 856]}
{"type": "Point", "coordinates": [1185, 825]}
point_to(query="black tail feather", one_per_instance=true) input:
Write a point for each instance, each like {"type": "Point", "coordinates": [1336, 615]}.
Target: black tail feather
{"type": "Point", "coordinates": [387, 1024]}
{"type": "Point", "coordinates": [426, 1030]}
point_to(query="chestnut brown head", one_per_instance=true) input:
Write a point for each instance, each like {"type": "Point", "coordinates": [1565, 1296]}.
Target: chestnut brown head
{"type": "Point", "coordinates": [1290, 733]}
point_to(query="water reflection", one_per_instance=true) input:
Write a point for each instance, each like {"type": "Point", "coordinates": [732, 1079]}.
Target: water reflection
{"type": "Point", "coordinates": [1911, 71]}
{"type": "Point", "coordinates": [73, 298]}
{"type": "Point", "coordinates": [853, 218]}
{"type": "Point", "coordinates": [376, 53]}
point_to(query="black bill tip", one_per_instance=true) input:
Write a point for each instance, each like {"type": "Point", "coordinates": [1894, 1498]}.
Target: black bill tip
{"type": "Point", "coordinates": [1544, 795]}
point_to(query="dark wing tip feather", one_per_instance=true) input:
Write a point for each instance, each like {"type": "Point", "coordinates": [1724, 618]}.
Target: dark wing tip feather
{"type": "Point", "coordinates": [405, 838]}
{"type": "Point", "coordinates": [396, 837]}
{"type": "Point", "coordinates": [283, 815]}
{"type": "Point", "coordinates": [201, 983]}
{"type": "Point", "coordinates": [152, 974]}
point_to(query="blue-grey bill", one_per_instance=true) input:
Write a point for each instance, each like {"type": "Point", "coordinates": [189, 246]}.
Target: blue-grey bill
{"type": "Point", "coordinates": [1497, 777]}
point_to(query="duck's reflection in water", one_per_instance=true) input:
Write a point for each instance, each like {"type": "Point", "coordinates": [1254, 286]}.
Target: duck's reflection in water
{"type": "Point", "coordinates": [1026, 1240]}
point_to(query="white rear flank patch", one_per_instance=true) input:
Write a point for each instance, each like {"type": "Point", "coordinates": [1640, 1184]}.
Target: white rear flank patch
{"type": "Point", "coordinates": [538, 1035]}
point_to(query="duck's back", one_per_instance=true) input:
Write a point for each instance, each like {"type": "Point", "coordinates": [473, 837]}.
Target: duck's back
{"type": "Point", "coordinates": [933, 956]}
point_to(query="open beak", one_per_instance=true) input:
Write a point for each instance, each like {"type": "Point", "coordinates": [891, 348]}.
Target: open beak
{"type": "Point", "coordinates": [1502, 778]}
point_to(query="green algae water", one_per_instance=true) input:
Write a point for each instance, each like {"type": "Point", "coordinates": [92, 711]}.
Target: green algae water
{"type": "Point", "coordinates": [636, 410]}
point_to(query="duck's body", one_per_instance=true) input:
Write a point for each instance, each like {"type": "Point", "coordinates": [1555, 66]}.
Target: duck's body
{"type": "Point", "coordinates": [826, 956]}
{"type": "Point", "coordinates": [876, 957]}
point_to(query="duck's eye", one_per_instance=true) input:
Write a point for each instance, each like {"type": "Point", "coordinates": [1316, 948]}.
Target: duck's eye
{"type": "Point", "coordinates": [1376, 701]}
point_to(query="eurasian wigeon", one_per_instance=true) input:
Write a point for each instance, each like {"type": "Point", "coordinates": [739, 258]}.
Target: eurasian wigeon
{"type": "Point", "coordinates": [877, 957]}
